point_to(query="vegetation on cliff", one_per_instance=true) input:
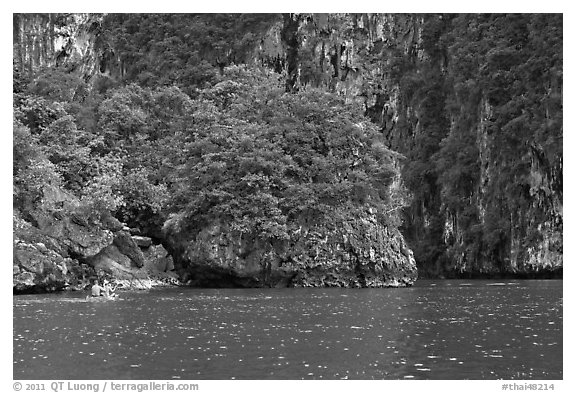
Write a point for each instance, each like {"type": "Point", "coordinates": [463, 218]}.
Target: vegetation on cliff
{"type": "Point", "coordinates": [474, 102]}
{"type": "Point", "coordinates": [187, 117]}
{"type": "Point", "coordinates": [237, 150]}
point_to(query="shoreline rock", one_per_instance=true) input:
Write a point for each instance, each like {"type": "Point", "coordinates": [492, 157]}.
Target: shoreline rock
{"type": "Point", "coordinates": [353, 250]}
{"type": "Point", "coordinates": [65, 250]}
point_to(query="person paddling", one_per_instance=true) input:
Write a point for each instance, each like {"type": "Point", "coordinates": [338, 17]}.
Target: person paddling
{"type": "Point", "coordinates": [97, 290]}
{"type": "Point", "coordinates": [108, 290]}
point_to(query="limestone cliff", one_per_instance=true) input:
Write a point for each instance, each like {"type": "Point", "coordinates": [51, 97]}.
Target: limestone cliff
{"type": "Point", "coordinates": [60, 247]}
{"type": "Point", "coordinates": [68, 40]}
{"type": "Point", "coordinates": [38, 263]}
{"type": "Point", "coordinates": [474, 102]}
{"type": "Point", "coordinates": [480, 132]}
{"type": "Point", "coordinates": [347, 250]}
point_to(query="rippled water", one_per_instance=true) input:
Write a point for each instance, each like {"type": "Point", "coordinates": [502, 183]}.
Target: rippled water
{"type": "Point", "coordinates": [435, 330]}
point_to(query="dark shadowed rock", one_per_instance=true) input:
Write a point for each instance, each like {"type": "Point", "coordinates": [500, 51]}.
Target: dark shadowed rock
{"type": "Point", "coordinates": [122, 260]}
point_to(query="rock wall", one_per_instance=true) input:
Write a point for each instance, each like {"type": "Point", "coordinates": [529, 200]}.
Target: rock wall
{"type": "Point", "coordinates": [352, 250]}
{"type": "Point", "coordinates": [524, 254]}
{"type": "Point", "coordinates": [134, 262]}
{"type": "Point", "coordinates": [39, 264]}
{"type": "Point", "coordinates": [415, 75]}
{"type": "Point", "coordinates": [46, 257]}
{"type": "Point", "coordinates": [399, 67]}
{"type": "Point", "coordinates": [41, 40]}
{"type": "Point", "coordinates": [60, 248]}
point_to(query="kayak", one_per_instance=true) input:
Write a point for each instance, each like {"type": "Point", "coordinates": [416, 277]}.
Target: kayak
{"type": "Point", "coordinates": [101, 298]}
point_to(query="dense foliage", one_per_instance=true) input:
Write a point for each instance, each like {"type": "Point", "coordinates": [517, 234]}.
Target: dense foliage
{"type": "Point", "coordinates": [169, 123]}
{"type": "Point", "coordinates": [485, 164]}
{"type": "Point", "coordinates": [474, 102]}
{"type": "Point", "coordinates": [242, 152]}
{"type": "Point", "coordinates": [186, 50]}
{"type": "Point", "coordinates": [264, 160]}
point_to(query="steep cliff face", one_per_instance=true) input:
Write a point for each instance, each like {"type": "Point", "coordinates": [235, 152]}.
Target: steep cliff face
{"type": "Point", "coordinates": [67, 40]}
{"type": "Point", "coordinates": [350, 250]}
{"type": "Point", "coordinates": [474, 103]}
{"type": "Point", "coordinates": [483, 164]}
{"type": "Point", "coordinates": [381, 61]}
{"type": "Point", "coordinates": [507, 104]}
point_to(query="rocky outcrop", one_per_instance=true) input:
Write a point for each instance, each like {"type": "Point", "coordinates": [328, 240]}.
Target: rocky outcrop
{"type": "Point", "coordinates": [126, 245]}
{"type": "Point", "coordinates": [64, 39]}
{"type": "Point", "coordinates": [61, 246]}
{"type": "Point", "coordinates": [157, 259]}
{"type": "Point", "coordinates": [424, 80]}
{"type": "Point", "coordinates": [358, 252]}
{"type": "Point", "coordinates": [38, 269]}
{"type": "Point", "coordinates": [39, 264]}
{"type": "Point", "coordinates": [78, 236]}
{"type": "Point", "coordinates": [353, 250]}
{"type": "Point", "coordinates": [133, 266]}
{"type": "Point", "coordinates": [43, 263]}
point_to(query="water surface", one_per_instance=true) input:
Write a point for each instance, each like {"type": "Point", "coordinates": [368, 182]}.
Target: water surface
{"type": "Point", "coordinates": [435, 330]}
